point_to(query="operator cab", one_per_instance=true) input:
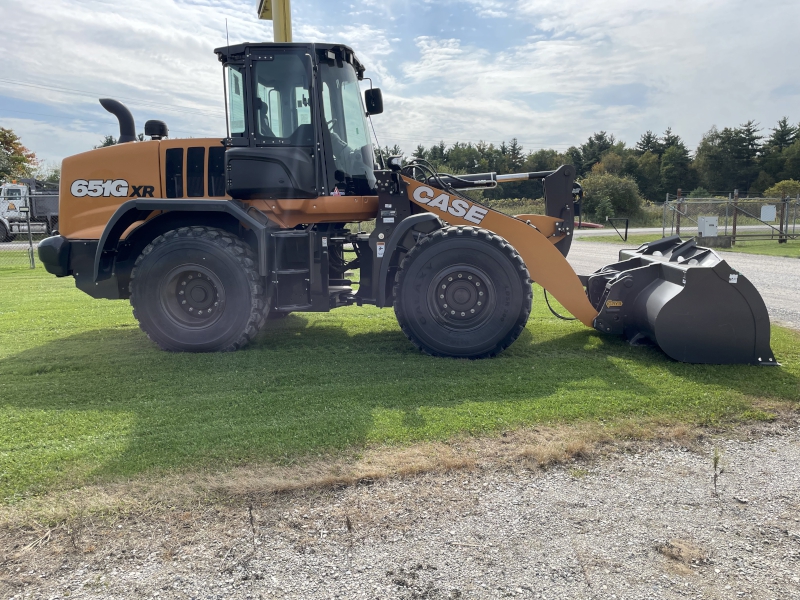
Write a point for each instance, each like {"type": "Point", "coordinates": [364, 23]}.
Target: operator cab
{"type": "Point", "coordinates": [284, 103]}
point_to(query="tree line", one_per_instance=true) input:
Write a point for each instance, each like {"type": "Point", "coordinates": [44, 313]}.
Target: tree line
{"type": "Point", "coordinates": [743, 158]}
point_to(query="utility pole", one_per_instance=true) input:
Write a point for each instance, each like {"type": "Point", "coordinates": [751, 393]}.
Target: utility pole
{"type": "Point", "coordinates": [280, 13]}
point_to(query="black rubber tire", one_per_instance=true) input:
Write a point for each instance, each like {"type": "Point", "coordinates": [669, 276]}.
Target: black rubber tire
{"type": "Point", "coordinates": [4, 237]}
{"type": "Point", "coordinates": [222, 266]}
{"type": "Point", "coordinates": [471, 252]}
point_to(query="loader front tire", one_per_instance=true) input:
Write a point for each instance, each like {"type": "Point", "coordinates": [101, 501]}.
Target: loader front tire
{"type": "Point", "coordinates": [197, 289]}
{"type": "Point", "coordinates": [462, 292]}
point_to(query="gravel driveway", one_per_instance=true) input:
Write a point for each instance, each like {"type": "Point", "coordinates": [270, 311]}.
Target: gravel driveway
{"type": "Point", "coordinates": [776, 278]}
{"type": "Point", "coordinates": [632, 525]}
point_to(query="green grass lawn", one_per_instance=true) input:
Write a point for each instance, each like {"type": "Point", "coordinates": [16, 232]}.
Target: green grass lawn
{"type": "Point", "coordinates": [790, 249]}
{"type": "Point", "coordinates": [85, 397]}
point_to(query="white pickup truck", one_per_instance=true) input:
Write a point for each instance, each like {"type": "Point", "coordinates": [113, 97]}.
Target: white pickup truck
{"type": "Point", "coordinates": [19, 209]}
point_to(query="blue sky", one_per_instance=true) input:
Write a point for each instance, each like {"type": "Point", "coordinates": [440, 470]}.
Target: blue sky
{"type": "Point", "coordinates": [549, 72]}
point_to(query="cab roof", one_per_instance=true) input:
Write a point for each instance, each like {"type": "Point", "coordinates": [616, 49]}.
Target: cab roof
{"type": "Point", "coordinates": [337, 52]}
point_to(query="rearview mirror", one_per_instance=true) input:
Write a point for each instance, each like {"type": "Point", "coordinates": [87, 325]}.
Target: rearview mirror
{"type": "Point", "coordinates": [374, 101]}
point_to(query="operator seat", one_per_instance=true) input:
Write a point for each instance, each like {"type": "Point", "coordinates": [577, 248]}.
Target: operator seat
{"type": "Point", "coordinates": [262, 111]}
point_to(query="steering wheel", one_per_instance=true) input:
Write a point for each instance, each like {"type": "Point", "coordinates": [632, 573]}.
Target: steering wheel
{"type": "Point", "coordinates": [330, 124]}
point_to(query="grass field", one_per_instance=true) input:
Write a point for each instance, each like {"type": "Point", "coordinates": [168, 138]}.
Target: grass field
{"type": "Point", "coordinates": [85, 397]}
{"type": "Point", "coordinates": [790, 249]}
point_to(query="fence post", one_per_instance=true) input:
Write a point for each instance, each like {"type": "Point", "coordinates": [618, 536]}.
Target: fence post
{"type": "Point", "coordinates": [781, 233]}
{"type": "Point", "coordinates": [680, 208]}
{"type": "Point", "coordinates": [727, 204]}
{"type": "Point", "coordinates": [735, 213]}
{"type": "Point", "coordinates": [664, 219]}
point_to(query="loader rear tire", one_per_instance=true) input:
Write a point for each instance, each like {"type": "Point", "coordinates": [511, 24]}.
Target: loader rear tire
{"type": "Point", "coordinates": [462, 292]}
{"type": "Point", "coordinates": [197, 289]}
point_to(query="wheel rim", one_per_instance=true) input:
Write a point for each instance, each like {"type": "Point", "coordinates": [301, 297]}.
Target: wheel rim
{"type": "Point", "coordinates": [462, 297]}
{"type": "Point", "coordinates": [192, 296]}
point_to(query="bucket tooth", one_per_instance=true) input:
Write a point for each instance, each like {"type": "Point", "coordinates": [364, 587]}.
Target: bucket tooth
{"type": "Point", "coordinates": [686, 300]}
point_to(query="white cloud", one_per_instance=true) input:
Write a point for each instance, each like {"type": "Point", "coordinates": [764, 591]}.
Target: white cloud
{"type": "Point", "coordinates": [686, 64]}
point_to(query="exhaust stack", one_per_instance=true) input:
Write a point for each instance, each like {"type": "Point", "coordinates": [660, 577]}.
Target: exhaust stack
{"type": "Point", "coordinates": [127, 128]}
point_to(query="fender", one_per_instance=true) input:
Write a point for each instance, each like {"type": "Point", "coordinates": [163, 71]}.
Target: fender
{"type": "Point", "coordinates": [137, 210]}
{"type": "Point", "coordinates": [391, 245]}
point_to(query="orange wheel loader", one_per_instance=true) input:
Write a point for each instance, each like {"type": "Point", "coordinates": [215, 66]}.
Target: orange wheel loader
{"type": "Point", "coordinates": [208, 237]}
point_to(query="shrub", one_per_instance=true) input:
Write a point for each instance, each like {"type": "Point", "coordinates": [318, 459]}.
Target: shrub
{"type": "Point", "coordinates": [790, 187]}
{"type": "Point", "coordinates": [621, 193]}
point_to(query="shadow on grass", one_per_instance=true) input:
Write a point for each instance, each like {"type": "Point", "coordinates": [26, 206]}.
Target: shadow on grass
{"type": "Point", "coordinates": [107, 403]}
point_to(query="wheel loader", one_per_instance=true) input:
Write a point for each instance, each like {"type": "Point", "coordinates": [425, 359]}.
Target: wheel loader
{"type": "Point", "coordinates": [209, 238]}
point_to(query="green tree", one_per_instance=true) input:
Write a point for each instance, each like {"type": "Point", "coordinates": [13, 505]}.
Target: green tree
{"type": "Point", "coordinates": [108, 140]}
{"type": "Point", "coordinates": [783, 136]}
{"type": "Point", "coordinates": [791, 164]}
{"type": "Point", "coordinates": [592, 151]}
{"type": "Point", "coordinates": [649, 142]}
{"type": "Point", "coordinates": [675, 168]}
{"type": "Point", "coordinates": [15, 159]}
{"type": "Point", "coordinates": [699, 193]}
{"type": "Point", "coordinates": [789, 187]}
{"type": "Point", "coordinates": [610, 163]}
{"type": "Point", "coordinates": [648, 175]}
{"type": "Point", "coordinates": [621, 192]}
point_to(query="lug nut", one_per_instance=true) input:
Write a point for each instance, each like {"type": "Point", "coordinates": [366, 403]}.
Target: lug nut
{"type": "Point", "coordinates": [472, 310]}
{"type": "Point", "coordinates": [191, 309]}
{"type": "Point", "coordinates": [470, 277]}
{"type": "Point", "coordinates": [459, 275]}
{"type": "Point", "coordinates": [479, 303]}
{"type": "Point", "coordinates": [444, 287]}
{"type": "Point", "coordinates": [180, 293]}
{"type": "Point", "coordinates": [183, 301]}
{"type": "Point", "coordinates": [441, 296]}
{"type": "Point", "coordinates": [477, 284]}
{"type": "Point", "coordinates": [463, 314]}
{"type": "Point", "coordinates": [183, 283]}
{"type": "Point", "coordinates": [190, 276]}
{"type": "Point", "coordinates": [480, 293]}
{"type": "Point", "coordinates": [445, 305]}
{"type": "Point", "coordinates": [452, 312]}
{"type": "Point", "coordinates": [449, 279]}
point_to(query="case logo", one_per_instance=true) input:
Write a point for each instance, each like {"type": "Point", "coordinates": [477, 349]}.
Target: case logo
{"type": "Point", "coordinates": [447, 204]}
{"type": "Point", "coordinates": [95, 188]}
{"type": "Point", "coordinates": [613, 303]}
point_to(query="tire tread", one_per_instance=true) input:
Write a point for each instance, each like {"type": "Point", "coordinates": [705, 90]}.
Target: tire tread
{"type": "Point", "coordinates": [239, 251]}
{"type": "Point", "coordinates": [495, 240]}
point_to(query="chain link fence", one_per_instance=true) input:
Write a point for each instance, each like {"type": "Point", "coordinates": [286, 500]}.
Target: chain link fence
{"type": "Point", "coordinates": [739, 219]}
{"type": "Point", "coordinates": [24, 221]}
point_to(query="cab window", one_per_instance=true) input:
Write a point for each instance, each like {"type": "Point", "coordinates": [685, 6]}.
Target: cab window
{"type": "Point", "coordinates": [282, 110]}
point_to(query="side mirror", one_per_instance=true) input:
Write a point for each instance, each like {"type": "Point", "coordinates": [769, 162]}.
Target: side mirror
{"type": "Point", "coordinates": [156, 130]}
{"type": "Point", "coordinates": [374, 101]}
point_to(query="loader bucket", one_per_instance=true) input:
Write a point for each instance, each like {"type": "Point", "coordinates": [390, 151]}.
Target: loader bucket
{"type": "Point", "coordinates": [686, 300]}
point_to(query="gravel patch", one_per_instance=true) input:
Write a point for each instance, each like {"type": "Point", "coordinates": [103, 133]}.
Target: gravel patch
{"type": "Point", "coordinates": [631, 525]}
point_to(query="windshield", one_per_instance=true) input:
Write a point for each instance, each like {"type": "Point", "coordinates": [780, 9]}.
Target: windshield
{"type": "Point", "coordinates": [346, 123]}
{"type": "Point", "coordinates": [13, 192]}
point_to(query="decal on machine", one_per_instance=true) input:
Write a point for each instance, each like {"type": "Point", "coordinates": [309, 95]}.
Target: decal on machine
{"type": "Point", "coordinates": [613, 303]}
{"type": "Point", "coordinates": [449, 205]}
{"type": "Point", "coordinates": [95, 188]}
